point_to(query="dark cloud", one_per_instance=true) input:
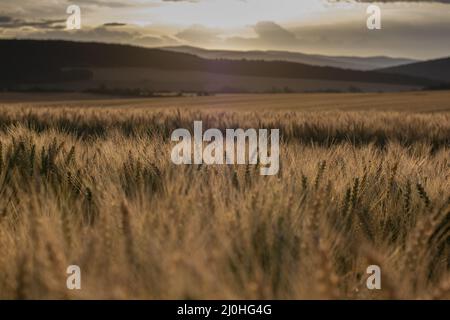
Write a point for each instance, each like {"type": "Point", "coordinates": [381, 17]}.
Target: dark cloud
{"type": "Point", "coordinates": [7, 22]}
{"type": "Point", "coordinates": [135, 36]}
{"type": "Point", "coordinates": [412, 32]}
{"type": "Point", "coordinates": [114, 24]}
{"type": "Point", "coordinates": [416, 39]}
{"type": "Point", "coordinates": [5, 19]}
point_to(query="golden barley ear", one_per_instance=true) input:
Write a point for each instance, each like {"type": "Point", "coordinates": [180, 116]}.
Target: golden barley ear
{"type": "Point", "coordinates": [320, 171]}
{"type": "Point", "coordinates": [304, 182]}
{"type": "Point", "coordinates": [423, 195]}
{"type": "Point", "coordinates": [407, 198]}
{"type": "Point", "coordinates": [1, 157]}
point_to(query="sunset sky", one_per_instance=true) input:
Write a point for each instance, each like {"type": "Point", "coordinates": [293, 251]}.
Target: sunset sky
{"type": "Point", "coordinates": [415, 29]}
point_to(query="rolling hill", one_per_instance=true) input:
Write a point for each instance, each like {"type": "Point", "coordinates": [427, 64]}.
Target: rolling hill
{"type": "Point", "coordinates": [81, 65]}
{"type": "Point", "coordinates": [438, 69]}
{"type": "Point", "coordinates": [355, 63]}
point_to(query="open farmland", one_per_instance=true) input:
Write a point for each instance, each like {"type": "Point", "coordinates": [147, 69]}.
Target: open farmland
{"type": "Point", "coordinates": [364, 179]}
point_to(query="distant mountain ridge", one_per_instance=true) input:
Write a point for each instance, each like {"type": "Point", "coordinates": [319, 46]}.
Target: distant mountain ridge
{"type": "Point", "coordinates": [343, 62]}
{"type": "Point", "coordinates": [29, 61]}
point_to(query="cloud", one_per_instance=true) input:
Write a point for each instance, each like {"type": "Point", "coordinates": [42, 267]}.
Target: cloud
{"type": "Point", "coordinates": [393, 1]}
{"type": "Point", "coordinates": [104, 3]}
{"type": "Point", "coordinates": [268, 35]}
{"type": "Point", "coordinates": [416, 31]}
{"type": "Point", "coordinates": [7, 22]}
{"type": "Point", "coordinates": [199, 34]}
{"type": "Point", "coordinates": [114, 24]}
{"type": "Point", "coordinates": [120, 34]}
{"type": "Point", "coordinates": [268, 30]}
{"type": "Point", "coordinates": [363, 1]}
{"type": "Point", "coordinates": [5, 19]}
{"type": "Point", "coordinates": [415, 38]}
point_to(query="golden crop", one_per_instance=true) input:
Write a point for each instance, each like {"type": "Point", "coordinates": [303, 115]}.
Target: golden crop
{"type": "Point", "coordinates": [95, 187]}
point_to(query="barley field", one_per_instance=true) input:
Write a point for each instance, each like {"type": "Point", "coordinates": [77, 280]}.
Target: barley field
{"type": "Point", "coordinates": [364, 180]}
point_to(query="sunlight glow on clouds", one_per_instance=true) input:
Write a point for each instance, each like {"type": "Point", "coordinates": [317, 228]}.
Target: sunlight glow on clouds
{"type": "Point", "coordinates": [233, 13]}
{"type": "Point", "coordinates": [416, 29]}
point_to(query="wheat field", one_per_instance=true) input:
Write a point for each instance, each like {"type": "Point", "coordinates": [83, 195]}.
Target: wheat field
{"type": "Point", "coordinates": [364, 179]}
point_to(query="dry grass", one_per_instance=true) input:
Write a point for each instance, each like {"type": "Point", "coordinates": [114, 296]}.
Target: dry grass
{"type": "Point", "coordinates": [95, 187]}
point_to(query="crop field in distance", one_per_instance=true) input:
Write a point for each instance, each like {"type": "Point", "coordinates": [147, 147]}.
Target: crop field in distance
{"type": "Point", "coordinates": [364, 180]}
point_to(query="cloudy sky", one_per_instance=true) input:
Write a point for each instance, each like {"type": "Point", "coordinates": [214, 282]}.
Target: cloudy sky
{"type": "Point", "coordinates": [415, 29]}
